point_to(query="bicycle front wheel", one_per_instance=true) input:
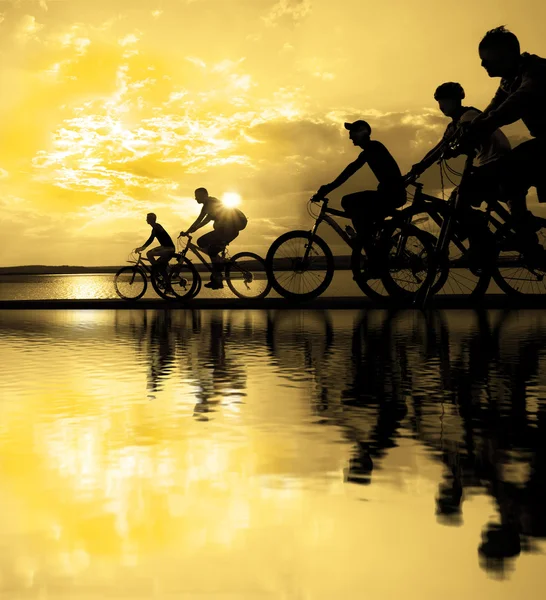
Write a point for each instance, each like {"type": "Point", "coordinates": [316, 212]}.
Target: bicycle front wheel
{"type": "Point", "coordinates": [184, 280]}
{"type": "Point", "coordinates": [130, 283]}
{"type": "Point", "coordinates": [300, 265]}
{"type": "Point", "coordinates": [246, 276]}
{"type": "Point", "coordinates": [405, 253]}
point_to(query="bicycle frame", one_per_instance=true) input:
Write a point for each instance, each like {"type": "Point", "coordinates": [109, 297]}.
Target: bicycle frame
{"type": "Point", "coordinates": [195, 249]}
{"type": "Point", "coordinates": [445, 235]}
{"type": "Point", "coordinates": [140, 262]}
{"type": "Point", "coordinates": [324, 216]}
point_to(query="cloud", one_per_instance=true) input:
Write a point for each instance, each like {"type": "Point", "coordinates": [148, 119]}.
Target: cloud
{"type": "Point", "coordinates": [291, 11]}
{"type": "Point", "coordinates": [129, 40]}
{"type": "Point", "coordinates": [27, 29]}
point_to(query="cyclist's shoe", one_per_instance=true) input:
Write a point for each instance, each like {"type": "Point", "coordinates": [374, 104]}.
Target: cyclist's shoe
{"type": "Point", "coordinates": [367, 274]}
{"type": "Point", "coordinates": [215, 283]}
{"type": "Point", "coordinates": [529, 222]}
{"type": "Point", "coordinates": [535, 256]}
{"type": "Point", "coordinates": [351, 232]}
{"type": "Point", "coordinates": [478, 257]}
{"type": "Point", "coordinates": [521, 242]}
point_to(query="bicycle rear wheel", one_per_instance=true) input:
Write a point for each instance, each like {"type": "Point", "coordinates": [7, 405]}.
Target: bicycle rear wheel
{"type": "Point", "coordinates": [519, 273]}
{"type": "Point", "coordinates": [453, 277]}
{"type": "Point", "coordinates": [160, 282]}
{"type": "Point", "coordinates": [246, 276]}
{"type": "Point", "coordinates": [294, 275]}
{"type": "Point", "coordinates": [184, 280]}
{"type": "Point", "coordinates": [130, 283]}
{"type": "Point", "coordinates": [403, 253]}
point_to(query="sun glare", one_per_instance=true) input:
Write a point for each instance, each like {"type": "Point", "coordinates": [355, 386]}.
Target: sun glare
{"type": "Point", "coordinates": [231, 199]}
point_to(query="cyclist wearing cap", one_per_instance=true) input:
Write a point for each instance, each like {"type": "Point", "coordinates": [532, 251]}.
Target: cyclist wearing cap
{"type": "Point", "coordinates": [450, 98]}
{"type": "Point", "coordinates": [521, 95]}
{"type": "Point", "coordinates": [370, 206]}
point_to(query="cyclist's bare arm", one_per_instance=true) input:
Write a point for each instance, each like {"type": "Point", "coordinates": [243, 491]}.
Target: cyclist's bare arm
{"type": "Point", "coordinates": [349, 170]}
{"type": "Point", "coordinates": [499, 97]}
{"type": "Point", "coordinates": [146, 243]}
{"type": "Point", "coordinates": [201, 220]}
{"type": "Point", "coordinates": [505, 108]}
{"type": "Point", "coordinates": [198, 224]}
{"type": "Point", "coordinates": [430, 157]}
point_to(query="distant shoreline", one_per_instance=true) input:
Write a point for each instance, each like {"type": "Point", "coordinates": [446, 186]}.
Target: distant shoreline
{"type": "Point", "coordinates": [341, 263]}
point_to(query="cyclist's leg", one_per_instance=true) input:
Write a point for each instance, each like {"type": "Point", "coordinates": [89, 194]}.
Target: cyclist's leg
{"type": "Point", "coordinates": [522, 168]}
{"type": "Point", "coordinates": [225, 235]}
{"type": "Point", "coordinates": [160, 254]}
{"type": "Point", "coordinates": [367, 209]}
{"type": "Point", "coordinates": [357, 208]}
{"type": "Point", "coordinates": [215, 243]}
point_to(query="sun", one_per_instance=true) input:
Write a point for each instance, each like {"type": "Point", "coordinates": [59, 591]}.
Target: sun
{"type": "Point", "coordinates": [231, 199]}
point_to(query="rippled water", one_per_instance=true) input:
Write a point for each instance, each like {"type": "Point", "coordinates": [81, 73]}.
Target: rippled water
{"type": "Point", "coordinates": [282, 454]}
{"type": "Point", "coordinates": [101, 286]}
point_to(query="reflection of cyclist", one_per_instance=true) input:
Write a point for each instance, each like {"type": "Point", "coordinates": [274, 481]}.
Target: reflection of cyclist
{"type": "Point", "coordinates": [228, 222]}
{"type": "Point", "coordinates": [165, 250]}
{"type": "Point", "coordinates": [369, 207]}
{"type": "Point", "coordinates": [521, 95]}
{"type": "Point", "coordinates": [449, 97]}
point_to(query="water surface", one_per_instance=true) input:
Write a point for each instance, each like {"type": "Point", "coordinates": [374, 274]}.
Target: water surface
{"type": "Point", "coordinates": [282, 454]}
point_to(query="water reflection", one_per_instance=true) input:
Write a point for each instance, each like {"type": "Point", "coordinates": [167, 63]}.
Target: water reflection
{"type": "Point", "coordinates": [127, 434]}
{"type": "Point", "coordinates": [468, 395]}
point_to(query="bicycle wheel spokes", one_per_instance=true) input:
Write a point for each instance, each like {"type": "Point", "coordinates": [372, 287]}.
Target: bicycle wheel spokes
{"type": "Point", "coordinates": [247, 277]}
{"type": "Point", "coordinates": [454, 276]}
{"type": "Point", "coordinates": [130, 283]}
{"type": "Point", "coordinates": [523, 273]}
{"type": "Point", "coordinates": [407, 253]}
{"type": "Point", "coordinates": [160, 282]}
{"type": "Point", "coordinates": [183, 280]}
{"type": "Point", "coordinates": [460, 279]}
{"type": "Point", "coordinates": [300, 267]}
{"type": "Point", "coordinates": [373, 287]}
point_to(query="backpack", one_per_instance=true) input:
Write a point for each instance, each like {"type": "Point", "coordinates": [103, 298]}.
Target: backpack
{"type": "Point", "coordinates": [233, 217]}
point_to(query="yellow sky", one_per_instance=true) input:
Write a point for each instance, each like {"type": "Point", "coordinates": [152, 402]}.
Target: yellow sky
{"type": "Point", "coordinates": [112, 108]}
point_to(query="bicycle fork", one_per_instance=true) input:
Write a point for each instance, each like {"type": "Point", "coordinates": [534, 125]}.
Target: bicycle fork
{"type": "Point", "coordinates": [440, 251]}
{"type": "Point", "coordinates": [308, 246]}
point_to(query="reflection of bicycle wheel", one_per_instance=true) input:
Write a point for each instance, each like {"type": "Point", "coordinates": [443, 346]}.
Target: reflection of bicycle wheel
{"type": "Point", "coordinates": [513, 330]}
{"type": "Point", "coordinates": [299, 340]}
{"type": "Point", "coordinates": [130, 283]}
{"type": "Point", "coordinates": [518, 273]}
{"type": "Point", "coordinates": [300, 266]}
{"type": "Point", "coordinates": [246, 276]}
{"type": "Point", "coordinates": [425, 332]}
{"type": "Point", "coordinates": [184, 280]}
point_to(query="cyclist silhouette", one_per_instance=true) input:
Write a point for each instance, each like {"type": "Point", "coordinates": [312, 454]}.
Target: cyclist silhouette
{"type": "Point", "coordinates": [228, 223]}
{"type": "Point", "coordinates": [368, 208]}
{"type": "Point", "coordinates": [450, 96]}
{"type": "Point", "coordinates": [521, 95]}
{"type": "Point", "coordinates": [165, 250]}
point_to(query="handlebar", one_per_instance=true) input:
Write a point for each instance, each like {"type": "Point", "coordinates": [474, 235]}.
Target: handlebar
{"type": "Point", "coordinates": [459, 143]}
